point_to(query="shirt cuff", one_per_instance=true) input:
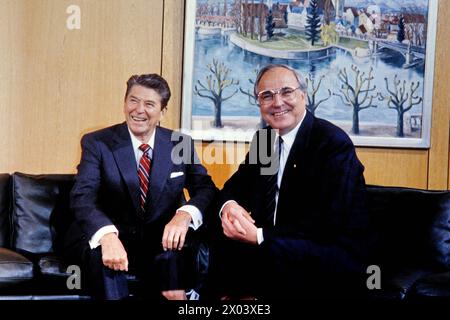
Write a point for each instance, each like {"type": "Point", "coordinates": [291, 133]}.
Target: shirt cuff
{"type": "Point", "coordinates": [196, 215]}
{"type": "Point", "coordinates": [95, 240]}
{"type": "Point", "coordinates": [220, 212]}
{"type": "Point", "coordinates": [259, 235]}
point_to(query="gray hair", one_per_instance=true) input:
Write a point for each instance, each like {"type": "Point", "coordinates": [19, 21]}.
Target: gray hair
{"type": "Point", "coordinates": [301, 81]}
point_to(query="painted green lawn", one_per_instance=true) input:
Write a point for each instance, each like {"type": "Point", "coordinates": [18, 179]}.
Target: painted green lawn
{"type": "Point", "coordinates": [299, 42]}
{"type": "Point", "coordinates": [353, 43]}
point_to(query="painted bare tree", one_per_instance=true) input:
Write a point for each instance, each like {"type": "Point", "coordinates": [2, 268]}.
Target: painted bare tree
{"type": "Point", "coordinates": [251, 96]}
{"type": "Point", "coordinates": [313, 90]}
{"type": "Point", "coordinates": [401, 100]}
{"type": "Point", "coordinates": [356, 93]}
{"type": "Point", "coordinates": [216, 83]}
{"type": "Point", "coordinates": [249, 92]}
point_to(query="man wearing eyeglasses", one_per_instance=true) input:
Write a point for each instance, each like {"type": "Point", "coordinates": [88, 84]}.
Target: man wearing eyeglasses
{"type": "Point", "coordinates": [295, 226]}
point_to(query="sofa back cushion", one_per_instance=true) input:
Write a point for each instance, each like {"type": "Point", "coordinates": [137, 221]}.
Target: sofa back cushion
{"type": "Point", "coordinates": [412, 225]}
{"type": "Point", "coordinates": [5, 194]}
{"type": "Point", "coordinates": [40, 212]}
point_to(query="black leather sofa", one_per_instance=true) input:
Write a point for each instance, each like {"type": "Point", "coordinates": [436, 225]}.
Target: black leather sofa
{"type": "Point", "coordinates": [412, 227]}
{"type": "Point", "coordinates": [34, 215]}
{"type": "Point", "coordinates": [29, 267]}
{"type": "Point", "coordinates": [412, 247]}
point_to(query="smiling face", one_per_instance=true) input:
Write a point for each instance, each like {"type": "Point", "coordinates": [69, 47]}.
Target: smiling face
{"type": "Point", "coordinates": [143, 111]}
{"type": "Point", "coordinates": [282, 114]}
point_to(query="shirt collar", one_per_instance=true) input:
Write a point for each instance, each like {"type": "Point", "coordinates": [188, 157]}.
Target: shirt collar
{"type": "Point", "coordinates": [288, 138]}
{"type": "Point", "coordinates": [136, 142]}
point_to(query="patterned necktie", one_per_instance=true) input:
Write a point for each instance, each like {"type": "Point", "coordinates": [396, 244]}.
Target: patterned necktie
{"type": "Point", "coordinates": [144, 173]}
{"type": "Point", "coordinates": [272, 188]}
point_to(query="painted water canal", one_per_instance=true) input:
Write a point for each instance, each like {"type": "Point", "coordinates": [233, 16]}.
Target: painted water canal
{"type": "Point", "coordinates": [387, 63]}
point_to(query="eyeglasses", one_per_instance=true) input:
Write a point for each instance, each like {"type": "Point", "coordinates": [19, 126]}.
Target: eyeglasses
{"type": "Point", "coordinates": [267, 96]}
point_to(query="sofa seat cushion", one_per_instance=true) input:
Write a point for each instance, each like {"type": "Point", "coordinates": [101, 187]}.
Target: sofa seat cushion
{"type": "Point", "coordinates": [51, 265]}
{"type": "Point", "coordinates": [14, 268]}
{"type": "Point", "coordinates": [398, 285]}
{"type": "Point", "coordinates": [435, 285]}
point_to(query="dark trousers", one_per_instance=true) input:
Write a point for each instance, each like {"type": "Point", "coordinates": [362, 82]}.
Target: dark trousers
{"type": "Point", "coordinates": [156, 269]}
{"type": "Point", "coordinates": [164, 271]}
{"type": "Point", "coordinates": [301, 269]}
{"type": "Point", "coordinates": [103, 282]}
{"type": "Point", "coordinates": [236, 270]}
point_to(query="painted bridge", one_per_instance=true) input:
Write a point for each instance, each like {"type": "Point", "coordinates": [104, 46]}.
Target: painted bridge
{"type": "Point", "coordinates": [413, 54]}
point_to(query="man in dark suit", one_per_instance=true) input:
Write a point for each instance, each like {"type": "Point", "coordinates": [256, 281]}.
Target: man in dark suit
{"type": "Point", "coordinates": [127, 199]}
{"type": "Point", "coordinates": [295, 225]}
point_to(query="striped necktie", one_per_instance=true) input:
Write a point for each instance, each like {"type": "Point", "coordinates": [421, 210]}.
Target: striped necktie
{"type": "Point", "coordinates": [144, 173]}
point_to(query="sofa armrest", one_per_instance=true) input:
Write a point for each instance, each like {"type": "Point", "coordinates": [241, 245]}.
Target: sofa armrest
{"type": "Point", "coordinates": [5, 202]}
{"type": "Point", "coordinates": [14, 268]}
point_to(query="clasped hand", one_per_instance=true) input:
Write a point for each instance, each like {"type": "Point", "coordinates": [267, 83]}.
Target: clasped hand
{"type": "Point", "coordinates": [237, 224]}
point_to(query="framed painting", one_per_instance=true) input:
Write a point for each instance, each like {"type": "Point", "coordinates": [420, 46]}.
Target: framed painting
{"type": "Point", "coordinates": [368, 65]}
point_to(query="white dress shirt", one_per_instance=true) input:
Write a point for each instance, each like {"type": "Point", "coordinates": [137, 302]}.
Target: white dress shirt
{"type": "Point", "coordinates": [288, 141]}
{"type": "Point", "coordinates": [197, 218]}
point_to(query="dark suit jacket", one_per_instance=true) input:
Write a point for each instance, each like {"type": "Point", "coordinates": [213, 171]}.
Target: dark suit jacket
{"type": "Point", "coordinates": [106, 189]}
{"type": "Point", "coordinates": [321, 197]}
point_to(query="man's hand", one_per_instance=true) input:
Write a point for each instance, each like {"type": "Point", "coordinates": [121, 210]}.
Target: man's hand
{"type": "Point", "coordinates": [237, 224]}
{"type": "Point", "coordinates": [174, 295]}
{"type": "Point", "coordinates": [175, 231]}
{"type": "Point", "coordinates": [114, 255]}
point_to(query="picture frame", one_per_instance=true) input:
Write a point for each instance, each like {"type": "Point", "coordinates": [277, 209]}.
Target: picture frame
{"type": "Point", "coordinates": [392, 79]}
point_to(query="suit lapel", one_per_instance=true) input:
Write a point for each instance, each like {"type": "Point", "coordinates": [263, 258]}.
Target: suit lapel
{"type": "Point", "coordinates": [161, 164]}
{"type": "Point", "coordinates": [298, 154]}
{"type": "Point", "coordinates": [123, 153]}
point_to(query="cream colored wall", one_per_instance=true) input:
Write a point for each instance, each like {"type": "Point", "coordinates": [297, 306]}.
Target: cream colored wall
{"type": "Point", "coordinates": [57, 84]}
{"type": "Point", "coordinates": [172, 61]}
